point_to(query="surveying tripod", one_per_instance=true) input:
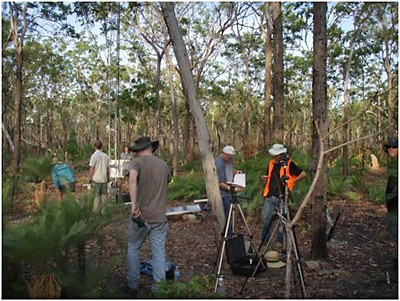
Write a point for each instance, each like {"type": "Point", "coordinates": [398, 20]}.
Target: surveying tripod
{"type": "Point", "coordinates": [282, 217]}
{"type": "Point", "coordinates": [231, 218]}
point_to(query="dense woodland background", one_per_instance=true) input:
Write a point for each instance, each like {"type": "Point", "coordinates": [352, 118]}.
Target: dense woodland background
{"type": "Point", "coordinates": [76, 72]}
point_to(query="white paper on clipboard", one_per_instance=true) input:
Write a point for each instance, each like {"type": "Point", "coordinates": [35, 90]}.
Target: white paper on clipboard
{"type": "Point", "coordinates": [238, 181]}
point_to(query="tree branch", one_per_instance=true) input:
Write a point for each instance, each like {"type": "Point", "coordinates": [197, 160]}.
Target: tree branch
{"type": "Point", "coordinates": [355, 140]}
{"type": "Point", "coordinates": [314, 182]}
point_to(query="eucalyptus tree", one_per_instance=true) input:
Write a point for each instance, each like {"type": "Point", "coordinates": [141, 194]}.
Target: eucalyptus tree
{"type": "Point", "coordinates": [266, 32]}
{"type": "Point", "coordinates": [387, 14]}
{"type": "Point", "coordinates": [19, 26]}
{"type": "Point", "coordinates": [297, 19]}
{"type": "Point", "coordinates": [190, 92]}
{"type": "Point", "coordinates": [205, 26]}
{"type": "Point", "coordinates": [320, 129]}
{"type": "Point", "coordinates": [24, 18]}
{"type": "Point", "coordinates": [278, 77]}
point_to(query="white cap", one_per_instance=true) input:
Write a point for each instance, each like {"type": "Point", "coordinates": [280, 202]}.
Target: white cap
{"type": "Point", "coordinates": [229, 150]}
{"type": "Point", "coordinates": [277, 149]}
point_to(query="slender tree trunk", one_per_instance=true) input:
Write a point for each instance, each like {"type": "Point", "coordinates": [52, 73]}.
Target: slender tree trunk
{"type": "Point", "coordinates": [390, 101]}
{"type": "Point", "coordinates": [175, 140]}
{"type": "Point", "coordinates": [189, 136]}
{"type": "Point", "coordinates": [320, 115]}
{"type": "Point", "coordinates": [18, 37]}
{"type": "Point", "coordinates": [266, 33]}
{"type": "Point", "coordinates": [278, 73]}
{"type": "Point", "coordinates": [246, 116]}
{"type": "Point", "coordinates": [158, 102]}
{"type": "Point", "coordinates": [203, 136]}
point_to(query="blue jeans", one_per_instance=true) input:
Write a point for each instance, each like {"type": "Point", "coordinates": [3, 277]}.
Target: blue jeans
{"type": "Point", "coordinates": [226, 201]}
{"type": "Point", "coordinates": [267, 214]}
{"type": "Point", "coordinates": [136, 238]}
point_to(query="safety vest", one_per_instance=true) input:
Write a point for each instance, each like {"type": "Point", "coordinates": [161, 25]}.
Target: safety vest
{"type": "Point", "coordinates": [290, 181]}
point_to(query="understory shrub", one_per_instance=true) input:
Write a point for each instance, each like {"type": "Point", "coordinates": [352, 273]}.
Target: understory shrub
{"type": "Point", "coordinates": [376, 193]}
{"type": "Point", "coordinates": [40, 246]}
{"type": "Point", "coordinates": [194, 166]}
{"type": "Point", "coordinates": [196, 288]}
{"type": "Point", "coordinates": [37, 169]}
{"type": "Point", "coordinates": [188, 187]}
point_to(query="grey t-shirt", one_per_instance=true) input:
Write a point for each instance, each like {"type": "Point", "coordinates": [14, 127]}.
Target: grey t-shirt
{"type": "Point", "coordinates": [124, 156]}
{"type": "Point", "coordinates": [225, 171]}
{"type": "Point", "coordinates": [152, 187]}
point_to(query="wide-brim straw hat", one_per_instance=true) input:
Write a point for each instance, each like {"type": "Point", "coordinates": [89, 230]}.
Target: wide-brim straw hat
{"type": "Point", "coordinates": [143, 143]}
{"type": "Point", "coordinates": [273, 261]}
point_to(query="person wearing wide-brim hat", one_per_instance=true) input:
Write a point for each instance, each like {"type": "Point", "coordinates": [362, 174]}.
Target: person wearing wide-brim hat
{"type": "Point", "coordinates": [392, 196]}
{"type": "Point", "coordinates": [143, 143]}
{"type": "Point", "coordinates": [148, 185]}
{"type": "Point", "coordinates": [278, 167]}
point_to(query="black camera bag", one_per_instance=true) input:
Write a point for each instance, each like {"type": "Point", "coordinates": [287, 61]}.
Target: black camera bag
{"type": "Point", "coordinates": [241, 263]}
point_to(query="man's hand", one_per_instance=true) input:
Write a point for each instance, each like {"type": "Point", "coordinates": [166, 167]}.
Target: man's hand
{"type": "Point", "coordinates": [264, 177]}
{"type": "Point", "coordinates": [239, 189]}
{"type": "Point", "coordinates": [238, 172]}
{"type": "Point", "coordinates": [136, 211]}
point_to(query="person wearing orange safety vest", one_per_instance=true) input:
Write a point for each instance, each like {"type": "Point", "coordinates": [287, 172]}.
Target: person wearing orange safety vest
{"type": "Point", "coordinates": [279, 168]}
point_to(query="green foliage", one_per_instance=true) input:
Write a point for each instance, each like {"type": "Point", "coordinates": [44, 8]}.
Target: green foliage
{"type": "Point", "coordinates": [36, 170]}
{"type": "Point", "coordinates": [54, 230]}
{"type": "Point", "coordinates": [357, 182]}
{"type": "Point", "coordinates": [253, 169]}
{"type": "Point", "coordinates": [337, 185]}
{"type": "Point", "coordinates": [194, 289]}
{"type": "Point", "coordinates": [189, 187]}
{"type": "Point", "coordinates": [6, 195]}
{"type": "Point", "coordinates": [71, 146]}
{"type": "Point", "coordinates": [376, 192]}
{"type": "Point", "coordinates": [195, 166]}
{"type": "Point", "coordinates": [73, 286]}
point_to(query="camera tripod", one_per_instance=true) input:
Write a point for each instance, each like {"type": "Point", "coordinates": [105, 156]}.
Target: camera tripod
{"type": "Point", "coordinates": [231, 218]}
{"type": "Point", "coordinates": [281, 219]}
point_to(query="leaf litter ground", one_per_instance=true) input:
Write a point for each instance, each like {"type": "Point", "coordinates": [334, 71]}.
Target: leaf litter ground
{"type": "Point", "coordinates": [361, 262]}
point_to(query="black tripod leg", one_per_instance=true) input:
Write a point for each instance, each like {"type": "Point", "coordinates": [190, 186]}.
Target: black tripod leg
{"type": "Point", "coordinates": [261, 257]}
{"type": "Point", "coordinates": [298, 264]}
{"type": "Point", "coordinates": [222, 248]}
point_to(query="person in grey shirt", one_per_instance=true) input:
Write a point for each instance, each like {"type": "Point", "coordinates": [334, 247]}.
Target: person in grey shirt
{"type": "Point", "coordinates": [226, 172]}
{"type": "Point", "coordinates": [126, 156]}
{"type": "Point", "coordinates": [148, 185]}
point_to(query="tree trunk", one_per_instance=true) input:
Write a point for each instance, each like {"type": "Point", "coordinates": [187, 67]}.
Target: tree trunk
{"type": "Point", "coordinates": [390, 101]}
{"type": "Point", "coordinates": [18, 37]}
{"type": "Point", "coordinates": [278, 73]}
{"type": "Point", "coordinates": [320, 115]}
{"type": "Point", "coordinates": [189, 136]}
{"type": "Point", "coordinates": [203, 136]}
{"type": "Point", "coordinates": [266, 33]}
{"type": "Point", "coordinates": [175, 125]}
{"type": "Point", "coordinates": [158, 102]}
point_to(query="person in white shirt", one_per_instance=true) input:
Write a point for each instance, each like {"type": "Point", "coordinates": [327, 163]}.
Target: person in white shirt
{"type": "Point", "coordinates": [99, 173]}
